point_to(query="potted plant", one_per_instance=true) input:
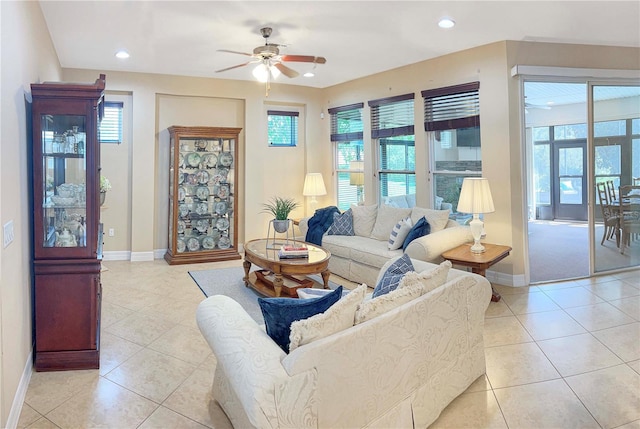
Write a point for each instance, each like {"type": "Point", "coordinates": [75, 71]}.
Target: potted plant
{"type": "Point", "coordinates": [280, 209]}
{"type": "Point", "coordinates": [105, 185]}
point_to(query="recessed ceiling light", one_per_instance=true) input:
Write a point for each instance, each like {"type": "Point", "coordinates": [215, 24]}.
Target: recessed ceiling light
{"type": "Point", "coordinates": [308, 74]}
{"type": "Point", "coordinates": [446, 23]}
{"type": "Point", "coordinates": [122, 54]}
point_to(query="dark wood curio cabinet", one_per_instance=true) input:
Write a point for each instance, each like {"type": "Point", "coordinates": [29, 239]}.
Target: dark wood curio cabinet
{"type": "Point", "coordinates": [67, 237]}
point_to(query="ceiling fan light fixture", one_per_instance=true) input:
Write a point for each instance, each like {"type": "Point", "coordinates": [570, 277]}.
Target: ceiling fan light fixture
{"type": "Point", "coordinates": [261, 73]}
{"type": "Point", "coordinates": [446, 22]}
{"type": "Point", "coordinates": [122, 54]}
{"type": "Point", "coordinates": [309, 74]}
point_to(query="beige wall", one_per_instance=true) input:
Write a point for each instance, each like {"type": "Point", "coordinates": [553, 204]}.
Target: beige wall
{"type": "Point", "coordinates": [27, 56]}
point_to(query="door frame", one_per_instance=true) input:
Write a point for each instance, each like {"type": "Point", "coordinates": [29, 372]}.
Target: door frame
{"type": "Point", "coordinates": [571, 212]}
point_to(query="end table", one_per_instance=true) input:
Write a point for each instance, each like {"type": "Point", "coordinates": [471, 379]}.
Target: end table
{"type": "Point", "coordinates": [478, 262]}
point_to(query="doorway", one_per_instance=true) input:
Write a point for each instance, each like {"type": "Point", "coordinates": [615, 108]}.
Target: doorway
{"type": "Point", "coordinates": [569, 181]}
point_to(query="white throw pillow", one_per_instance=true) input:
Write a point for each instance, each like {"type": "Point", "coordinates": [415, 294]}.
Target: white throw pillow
{"type": "Point", "coordinates": [437, 218]}
{"type": "Point", "coordinates": [381, 304]}
{"type": "Point", "coordinates": [428, 279]}
{"type": "Point", "coordinates": [386, 219]}
{"type": "Point", "coordinates": [399, 233]}
{"type": "Point", "coordinates": [338, 317]}
{"type": "Point", "coordinates": [364, 217]}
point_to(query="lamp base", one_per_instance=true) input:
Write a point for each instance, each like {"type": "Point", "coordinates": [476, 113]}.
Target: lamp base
{"type": "Point", "coordinates": [476, 226]}
{"type": "Point", "coordinates": [477, 247]}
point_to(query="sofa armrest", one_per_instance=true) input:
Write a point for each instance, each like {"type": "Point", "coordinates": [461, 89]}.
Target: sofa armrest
{"type": "Point", "coordinates": [431, 247]}
{"type": "Point", "coordinates": [303, 226]}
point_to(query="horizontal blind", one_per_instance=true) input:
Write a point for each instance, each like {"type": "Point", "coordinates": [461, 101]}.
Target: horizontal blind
{"type": "Point", "coordinates": [111, 124]}
{"type": "Point", "coordinates": [392, 116]}
{"type": "Point", "coordinates": [346, 122]}
{"type": "Point", "coordinates": [452, 107]}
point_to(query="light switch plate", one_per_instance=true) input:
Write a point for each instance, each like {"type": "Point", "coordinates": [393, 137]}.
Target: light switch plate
{"type": "Point", "coordinates": [7, 233]}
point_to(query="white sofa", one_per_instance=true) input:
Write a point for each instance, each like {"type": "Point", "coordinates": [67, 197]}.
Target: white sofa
{"type": "Point", "coordinates": [397, 370]}
{"type": "Point", "coordinates": [409, 201]}
{"type": "Point", "coordinates": [359, 257]}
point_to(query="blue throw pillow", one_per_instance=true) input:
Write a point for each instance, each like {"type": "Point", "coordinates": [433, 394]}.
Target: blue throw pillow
{"type": "Point", "coordinates": [421, 228]}
{"type": "Point", "coordinates": [342, 224]}
{"type": "Point", "coordinates": [278, 313]}
{"type": "Point", "coordinates": [392, 276]}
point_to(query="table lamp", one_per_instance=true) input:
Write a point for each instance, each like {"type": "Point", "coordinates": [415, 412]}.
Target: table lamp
{"type": "Point", "coordinates": [475, 198]}
{"type": "Point", "coordinates": [313, 187]}
{"type": "Point", "coordinates": [357, 178]}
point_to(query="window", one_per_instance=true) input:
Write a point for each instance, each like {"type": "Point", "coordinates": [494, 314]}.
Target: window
{"type": "Point", "coordinates": [110, 130]}
{"type": "Point", "coordinates": [393, 132]}
{"type": "Point", "coordinates": [347, 138]}
{"type": "Point", "coordinates": [452, 123]}
{"type": "Point", "coordinates": [282, 128]}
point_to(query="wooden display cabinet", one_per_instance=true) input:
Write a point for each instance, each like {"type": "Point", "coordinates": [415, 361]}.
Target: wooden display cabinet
{"type": "Point", "coordinates": [203, 173]}
{"type": "Point", "coordinates": [67, 237]}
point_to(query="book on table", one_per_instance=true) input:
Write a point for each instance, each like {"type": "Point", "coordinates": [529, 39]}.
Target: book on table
{"type": "Point", "coordinates": [293, 251]}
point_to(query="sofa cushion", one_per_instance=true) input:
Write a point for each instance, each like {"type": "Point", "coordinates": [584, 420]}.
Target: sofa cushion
{"type": "Point", "coordinates": [371, 308]}
{"type": "Point", "coordinates": [392, 276]}
{"type": "Point", "coordinates": [342, 224]}
{"type": "Point", "coordinates": [279, 313]}
{"type": "Point", "coordinates": [429, 279]}
{"type": "Point", "coordinates": [420, 229]}
{"type": "Point", "coordinates": [338, 317]}
{"type": "Point", "coordinates": [361, 249]}
{"type": "Point", "coordinates": [386, 219]}
{"type": "Point", "coordinates": [399, 233]}
{"type": "Point", "coordinates": [437, 218]}
{"type": "Point", "coordinates": [364, 217]}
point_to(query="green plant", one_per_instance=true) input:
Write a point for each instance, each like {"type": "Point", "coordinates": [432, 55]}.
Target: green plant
{"type": "Point", "coordinates": [280, 207]}
{"type": "Point", "coordinates": [105, 185]}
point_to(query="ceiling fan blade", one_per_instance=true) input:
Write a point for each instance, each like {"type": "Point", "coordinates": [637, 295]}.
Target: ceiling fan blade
{"type": "Point", "coordinates": [235, 52]}
{"type": "Point", "coordinates": [304, 59]}
{"type": "Point", "coordinates": [234, 67]}
{"type": "Point", "coordinates": [286, 70]}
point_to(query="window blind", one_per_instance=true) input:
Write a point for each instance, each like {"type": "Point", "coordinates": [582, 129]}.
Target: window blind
{"type": "Point", "coordinates": [111, 124]}
{"type": "Point", "coordinates": [452, 107]}
{"type": "Point", "coordinates": [282, 127]}
{"type": "Point", "coordinates": [392, 116]}
{"type": "Point", "coordinates": [346, 123]}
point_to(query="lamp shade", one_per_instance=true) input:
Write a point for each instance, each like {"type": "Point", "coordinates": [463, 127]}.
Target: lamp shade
{"type": "Point", "coordinates": [314, 185]}
{"type": "Point", "coordinates": [356, 178]}
{"type": "Point", "coordinates": [475, 196]}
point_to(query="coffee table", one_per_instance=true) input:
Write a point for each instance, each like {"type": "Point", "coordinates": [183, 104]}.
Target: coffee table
{"type": "Point", "coordinates": [283, 276]}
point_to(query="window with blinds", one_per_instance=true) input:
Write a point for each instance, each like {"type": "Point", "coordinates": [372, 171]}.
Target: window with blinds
{"type": "Point", "coordinates": [392, 128]}
{"type": "Point", "coordinates": [452, 107]}
{"type": "Point", "coordinates": [347, 138]}
{"type": "Point", "coordinates": [282, 128]}
{"type": "Point", "coordinates": [110, 130]}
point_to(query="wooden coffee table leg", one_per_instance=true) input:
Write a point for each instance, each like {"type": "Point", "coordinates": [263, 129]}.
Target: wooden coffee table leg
{"type": "Point", "coordinates": [325, 278]}
{"type": "Point", "coordinates": [247, 266]}
{"type": "Point", "coordinates": [277, 284]}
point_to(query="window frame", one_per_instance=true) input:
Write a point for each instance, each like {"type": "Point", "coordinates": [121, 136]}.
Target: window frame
{"type": "Point", "coordinates": [119, 123]}
{"type": "Point", "coordinates": [293, 132]}
{"type": "Point", "coordinates": [347, 138]}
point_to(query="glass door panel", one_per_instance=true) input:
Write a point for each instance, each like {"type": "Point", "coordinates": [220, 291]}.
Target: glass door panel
{"type": "Point", "coordinates": [569, 186]}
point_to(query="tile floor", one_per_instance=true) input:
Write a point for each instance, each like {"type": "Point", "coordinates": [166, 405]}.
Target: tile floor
{"type": "Point", "coordinates": [563, 355]}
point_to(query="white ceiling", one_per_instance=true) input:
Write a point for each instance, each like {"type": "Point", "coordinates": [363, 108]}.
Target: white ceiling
{"type": "Point", "coordinates": [358, 38]}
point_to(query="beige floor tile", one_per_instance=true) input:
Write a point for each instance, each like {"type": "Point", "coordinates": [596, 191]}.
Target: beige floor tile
{"type": "Point", "coordinates": [114, 351]}
{"type": "Point", "coordinates": [471, 410]}
{"type": "Point", "coordinates": [530, 302]}
{"type": "Point", "coordinates": [47, 390]}
{"type": "Point", "coordinates": [548, 404]}
{"type": "Point", "coordinates": [27, 416]}
{"type": "Point", "coordinates": [633, 425]}
{"type": "Point", "coordinates": [611, 395]}
{"type": "Point", "coordinates": [550, 324]}
{"type": "Point", "coordinates": [172, 309]}
{"type": "Point", "coordinates": [517, 364]}
{"type": "Point", "coordinates": [630, 306]}
{"type": "Point", "coordinates": [511, 290]}
{"type": "Point", "coordinates": [140, 328]}
{"type": "Point", "coordinates": [596, 279]}
{"type": "Point", "coordinates": [623, 340]}
{"type": "Point", "coordinates": [480, 385]}
{"type": "Point", "coordinates": [131, 297]}
{"type": "Point", "coordinates": [615, 289]}
{"type": "Point", "coordinates": [498, 309]}
{"type": "Point", "coordinates": [183, 343]}
{"type": "Point", "coordinates": [43, 423]}
{"type": "Point", "coordinates": [501, 331]}
{"type": "Point", "coordinates": [557, 285]}
{"type": "Point", "coordinates": [635, 365]}
{"type": "Point", "coordinates": [164, 418]}
{"type": "Point", "coordinates": [151, 374]}
{"type": "Point", "coordinates": [578, 354]}
{"type": "Point", "coordinates": [573, 297]}
{"type": "Point", "coordinates": [102, 404]}
{"type": "Point", "coordinates": [599, 316]}
{"type": "Point", "coordinates": [111, 313]}
{"type": "Point", "coordinates": [633, 277]}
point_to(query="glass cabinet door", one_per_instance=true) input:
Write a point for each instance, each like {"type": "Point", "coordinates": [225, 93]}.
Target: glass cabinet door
{"type": "Point", "coordinates": [64, 193]}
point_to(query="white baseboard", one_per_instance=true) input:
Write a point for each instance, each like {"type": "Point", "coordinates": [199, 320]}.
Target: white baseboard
{"type": "Point", "coordinates": [21, 393]}
{"type": "Point", "coordinates": [505, 279]}
{"type": "Point", "coordinates": [117, 255]}
{"type": "Point", "coordinates": [159, 253]}
{"type": "Point", "coordinates": [142, 256]}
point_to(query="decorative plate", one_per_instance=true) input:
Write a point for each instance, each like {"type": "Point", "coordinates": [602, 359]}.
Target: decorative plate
{"type": "Point", "coordinates": [180, 160]}
{"type": "Point", "coordinates": [181, 226]}
{"type": "Point", "coordinates": [192, 179]}
{"type": "Point", "coordinates": [183, 209]}
{"type": "Point", "coordinates": [210, 161]}
{"type": "Point", "coordinates": [181, 193]}
{"type": "Point", "coordinates": [193, 159]}
{"type": "Point", "coordinates": [201, 144]}
{"type": "Point", "coordinates": [180, 178]}
{"type": "Point", "coordinates": [224, 243]}
{"type": "Point", "coordinates": [223, 190]}
{"type": "Point", "coordinates": [208, 242]}
{"type": "Point", "coordinates": [226, 159]}
{"type": "Point", "coordinates": [202, 192]}
{"type": "Point", "coordinates": [202, 208]}
{"type": "Point", "coordinates": [202, 225]}
{"type": "Point", "coordinates": [221, 207]}
{"type": "Point", "coordinates": [202, 176]}
{"type": "Point", "coordinates": [180, 245]}
{"type": "Point", "coordinates": [193, 244]}
{"type": "Point", "coordinates": [222, 224]}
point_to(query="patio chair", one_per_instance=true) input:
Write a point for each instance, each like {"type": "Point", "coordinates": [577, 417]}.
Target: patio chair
{"type": "Point", "coordinates": [629, 216]}
{"type": "Point", "coordinates": [609, 216]}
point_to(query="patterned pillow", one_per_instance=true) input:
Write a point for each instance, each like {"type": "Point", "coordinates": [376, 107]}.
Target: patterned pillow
{"type": "Point", "coordinates": [421, 228]}
{"type": "Point", "coordinates": [279, 313]}
{"type": "Point", "coordinates": [399, 233]}
{"type": "Point", "coordinates": [428, 279]}
{"type": "Point", "coordinates": [369, 309]}
{"type": "Point", "coordinates": [391, 278]}
{"type": "Point", "coordinates": [342, 224]}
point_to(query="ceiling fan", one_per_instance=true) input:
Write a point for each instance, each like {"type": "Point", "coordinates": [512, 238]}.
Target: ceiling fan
{"type": "Point", "coordinates": [270, 61]}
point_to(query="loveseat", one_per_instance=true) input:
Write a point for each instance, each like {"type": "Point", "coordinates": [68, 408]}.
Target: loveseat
{"type": "Point", "coordinates": [399, 369]}
{"type": "Point", "coordinates": [359, 257]}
